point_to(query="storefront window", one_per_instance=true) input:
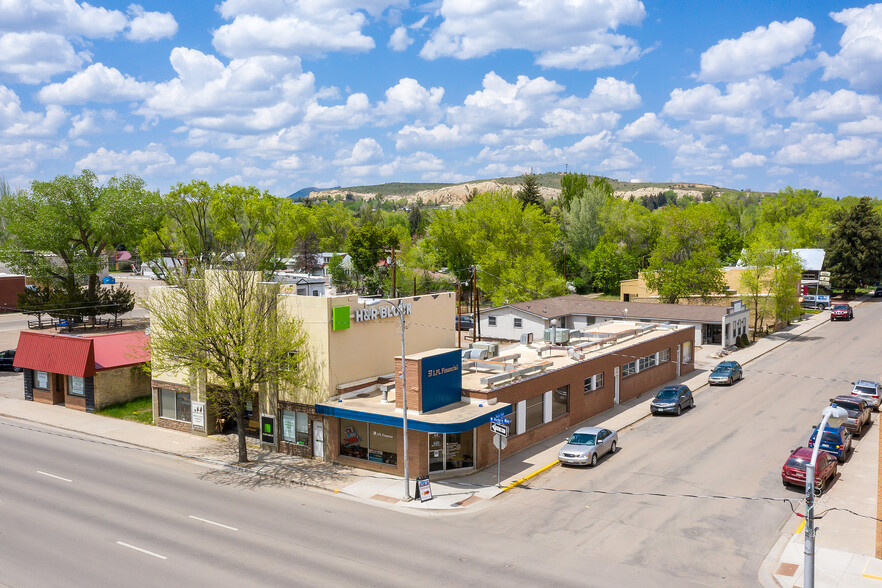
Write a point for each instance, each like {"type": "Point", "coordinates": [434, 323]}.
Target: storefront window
{"type": "Point", "coordinates": [174, 405]}
{"type": "Point", "coordinates": [41, 380]}
{"type": "Point", "coordinates": [76, 386]}
{"type": "Point", "coordinates": [687, 352]}
{"type": "Point", "coordinates": [295, 427]}
{"type": "Point", "coordinates": [560, 402]}
{"type": "Point", "coordinates": [534, 411]}
{"type": "Point", "coordinates": [377, 443]}
{"type": "Point", "coordinates": [451, 451]}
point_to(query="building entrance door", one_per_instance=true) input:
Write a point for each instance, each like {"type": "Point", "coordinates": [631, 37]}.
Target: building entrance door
{"type": "Point", "coordinates": [318, 439]}
{"type": "Point", "coordinates": [451, 451]}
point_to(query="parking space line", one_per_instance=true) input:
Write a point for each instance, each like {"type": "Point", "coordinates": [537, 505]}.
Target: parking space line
{"type": "Point", "coordinates": [54, 476]}
{"type": "Point", "coordinates": [214, 523]}
{"type": "Point", "coordinates": [156, 555]}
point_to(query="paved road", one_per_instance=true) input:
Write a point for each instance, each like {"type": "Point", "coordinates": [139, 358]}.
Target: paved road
{"type": "Point", "coordinates": [733, 443]}
{"type": "Point", "coordinates": [80, 512]}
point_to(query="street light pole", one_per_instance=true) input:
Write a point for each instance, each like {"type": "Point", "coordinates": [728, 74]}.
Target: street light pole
{"type": "Point", "coordinates": [835, 415]}
{"type": "Point", "coordinates": [400, 308]}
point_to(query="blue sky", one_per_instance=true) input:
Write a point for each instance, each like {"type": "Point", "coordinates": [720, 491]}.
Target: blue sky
{"type": "Point", "coordinates": [288, 94]}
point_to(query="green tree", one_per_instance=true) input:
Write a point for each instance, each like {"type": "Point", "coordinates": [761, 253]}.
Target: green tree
{"type": "Point", "coordinates": [35, 300]}
{"type": "Point", "coordinates": [608, 264]}
{"type": "Point", "coordinates": [755, 282]}
{"type": "Point", "coordinates": [226, 330]}
{"type": "Point", "coordinates": [685, 260]}
{"type": "Point", "coordinates": [529, 192]}
{"type": "Point", "coordinates": [582, 223]}
{"type": "Point", "coordinates": [414, 219]}
{"type": "Point", "coordinates": [339, 276]}
{"type": "Point", "coordinates": [855, 246]}
{"type": "Point", "coordinates": [786, 273]}
{"type": "Point", "coordinates": [572, 186]}
{"type": "Point", "coordinates": [117, 300]}
{"type": "Point", "coordinates": [78, 222]}
{"type": "Point", "coordinates": [366, 246]}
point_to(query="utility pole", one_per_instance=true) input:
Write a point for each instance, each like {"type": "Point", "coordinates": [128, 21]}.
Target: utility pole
{"type": "Point", "coordinates": [458, 315]}
{"type": "Point", "coordinates": [394, 271]}
{"type": "Point", "coordinates": [474, 306]}
{"type": "Point", "coordinates": [477, 307]}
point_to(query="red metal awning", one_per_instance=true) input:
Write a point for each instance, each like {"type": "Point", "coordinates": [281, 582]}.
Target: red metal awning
{"type": "Point", "coordinates": [80, 356]}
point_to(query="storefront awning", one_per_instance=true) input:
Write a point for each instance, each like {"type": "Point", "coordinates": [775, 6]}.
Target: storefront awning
{"type": "Point", "coordinates": [458, 417]}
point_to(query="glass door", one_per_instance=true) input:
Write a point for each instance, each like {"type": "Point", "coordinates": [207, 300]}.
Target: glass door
{"type": "Point", "coordinates": [451, 451]}
{"type": "Point", "coordinates": [436, 452]}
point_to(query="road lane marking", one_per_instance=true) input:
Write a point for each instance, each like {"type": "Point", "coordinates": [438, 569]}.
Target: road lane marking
{"type": "Point", "coordinates": [214, 523]}
{"type": "Point", "coordinates": [54, 476]}
{"type": "Point", "coordinates": [141, 550]}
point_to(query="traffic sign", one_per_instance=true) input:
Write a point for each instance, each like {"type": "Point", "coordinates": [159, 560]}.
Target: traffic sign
{"type": "Point", "coordinates": [499, 441]}
{"type": "Point", "coordinates": [500, 420]}
{"type": "Point", "coordinates": [501, 429]}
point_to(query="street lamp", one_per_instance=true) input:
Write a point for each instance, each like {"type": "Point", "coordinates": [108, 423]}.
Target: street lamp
{"type": "Point", "coordinates": [400, 308]}
{"type": "Point", "coordinates": [834, 415]}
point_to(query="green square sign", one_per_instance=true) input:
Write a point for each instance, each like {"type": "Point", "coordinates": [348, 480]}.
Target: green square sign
{"type": "Point", "coordinates": [340, 318]}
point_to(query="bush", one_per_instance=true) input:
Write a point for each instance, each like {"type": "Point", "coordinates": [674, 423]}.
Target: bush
{"type": "Point", "coordinates": [745, 341]}
{"type": "Point", "coordinates": [124, 266]}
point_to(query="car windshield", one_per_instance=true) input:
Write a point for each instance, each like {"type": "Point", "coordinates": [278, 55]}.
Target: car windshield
{"type": "Point", "coordinates": [831, 438]}
{"type": "Point", "coordinates": [864, 390]}
{"type": "Point", "coordinates": [852, 407]}
{"type": "Point", "coordinates": [667, 394]}
{"type": "Point", "coordinates": [583, 439]}
{"type": "Point", "coordinates": [840, 307]}
{"type": "Point", "coordinates": [722, 370]}
{"type": "Point", "coordinates": [795, 462]}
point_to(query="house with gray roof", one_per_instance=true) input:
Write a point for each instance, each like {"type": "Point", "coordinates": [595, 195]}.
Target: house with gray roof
{"type": "Point", "coordinates": [714, 325]}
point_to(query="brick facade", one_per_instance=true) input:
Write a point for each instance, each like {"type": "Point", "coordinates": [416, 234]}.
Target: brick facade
{"type": "Point", "coordinates": [120, 385]}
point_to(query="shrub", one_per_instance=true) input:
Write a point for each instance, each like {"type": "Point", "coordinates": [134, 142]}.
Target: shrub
{"type": "Point", "coordinates": [745, 341]}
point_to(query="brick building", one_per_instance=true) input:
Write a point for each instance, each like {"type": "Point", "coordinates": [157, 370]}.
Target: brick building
{"type": "Point", "coordinates": [542, 389]}
{"type": "Point", "coordinates": [84, 373]}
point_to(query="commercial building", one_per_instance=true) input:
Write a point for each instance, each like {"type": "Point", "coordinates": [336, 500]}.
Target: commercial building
{"type": "Point", "coordinates": [85, 373]}
{"type": "Point", "coordinates": [542, 390]}
{"type": "Point", "coordinates": [715, 325]}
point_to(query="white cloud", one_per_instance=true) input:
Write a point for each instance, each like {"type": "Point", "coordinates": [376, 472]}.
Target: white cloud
{"type": "Point", "coordinates": [295, 28]}
{"type": "Point", "coordinates": [702, 157]}
{"type": "Point", "coordinates": [612, 94]}
{"type": "Point", "coordinates": [757, 51]}
{"type": "Point", "coordinates": [756, 95]}
{"type": "Point", "coordinates": [36, 57]}
{"type": "Point", "coordinates": [150, 26]}
{"type": "Point", "coordinates": [409, 98]}
{"type": "Point", "coordinates": [565, 33]}
{"type": "Point", "coordinates": [411, 137]}
{"type": "Point", "coordinates": [400, 40]}
{"type": "Point", "coordinates": [19, 124]}
{"type": "Point", "coordinates": [354, 113]}
{"type": "Point", "coordinates": [96, 83]}
{"type": "Point", "coordinates": [648, 127]}
{"type": "Point", "coordinates": [842, 105]}
{"type": "Point", "coordinates": [249, 95]}
{"type": "Point", "coordinates": [860, 56]}
{"type": "Point", "coordinates": [140, 162]}
{"type": "Point", "coordinates": [749, 160]}
{"type": "Point", "coordinates": [63, 17]}
{"type": "Point", "coordinates": [90, 122]}
{"type": "Point", "coordinates": [872, 125]}
{"type": "Point", "coordinates": [365, 151]}
{"type": "Point", "coordinates": [819, 148]}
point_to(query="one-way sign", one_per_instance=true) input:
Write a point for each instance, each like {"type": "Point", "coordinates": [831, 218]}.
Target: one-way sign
{"type": "Point", "coordinates": [501, 429]}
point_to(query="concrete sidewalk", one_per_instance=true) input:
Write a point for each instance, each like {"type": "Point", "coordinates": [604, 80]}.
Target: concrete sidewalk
{"type": "Point", "coordinates": [465, 493]}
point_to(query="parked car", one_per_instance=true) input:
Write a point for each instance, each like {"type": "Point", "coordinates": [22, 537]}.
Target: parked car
{"type": "Point", "coordinates": [726, 372]}
{"type": "Point", "coordinates": [587, 445]}
{"type": "Point", "coordinates": [6, 359]}
{"type": "Point", "coordinates": [673, 399]}
{"type": "Point", "coordinates": [464, 322]}
{"type": "Point", "coordinates": [835, 441]}
{"type": "Point", "coordinates": [793, 471]}
{"type": "Point", "coordinates": [859, 413]}
{"type": "Point", "coordinates": [877, 292]}
{"type": "Point", "coordinates": [869, 391]}
{"type": "Point", "coordinates": [841, 312]}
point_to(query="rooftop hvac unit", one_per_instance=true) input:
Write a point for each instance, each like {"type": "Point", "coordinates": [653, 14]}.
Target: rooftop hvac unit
{"type": "Point", "coordinates": [560, 336]}
{"type": "Point", "coordinates": [474, 353]}
{"type": "Point", "coordinates": [526, 338]}
{"type": "Point", "coordinates": [491, 347]}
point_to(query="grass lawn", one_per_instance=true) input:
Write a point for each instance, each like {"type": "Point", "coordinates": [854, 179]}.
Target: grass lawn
{"type": "Point", "coordinates": [140, 410]}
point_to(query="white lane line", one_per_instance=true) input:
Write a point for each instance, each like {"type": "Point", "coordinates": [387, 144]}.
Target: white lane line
{"type": "Point", "coordinates": [213, 523]}
{"type": "Point", "coordinates": [54, 476]}
{"type": "Point", "coordinates": [141, 550]}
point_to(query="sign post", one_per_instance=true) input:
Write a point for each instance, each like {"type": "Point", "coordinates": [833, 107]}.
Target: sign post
{"type": "Point", "coordinates": [499, 425]}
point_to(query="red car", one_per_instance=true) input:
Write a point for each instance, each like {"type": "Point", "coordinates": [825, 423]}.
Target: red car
{"type": "Point", "coordinates": [793, 471]}
{"type": "Point", "coordinates": [841, 312]}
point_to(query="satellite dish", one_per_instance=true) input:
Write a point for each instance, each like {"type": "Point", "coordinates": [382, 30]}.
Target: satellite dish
{"type": "Point", "coordinates": [123, 255]}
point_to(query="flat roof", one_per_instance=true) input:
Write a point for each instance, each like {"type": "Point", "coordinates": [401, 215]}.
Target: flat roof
{"type": "Point", "coordinates": [457, 417]}
{"type": "Point", "coordinates": [603, 339]}
{"type": "Point", "coordinates": [583, 305]}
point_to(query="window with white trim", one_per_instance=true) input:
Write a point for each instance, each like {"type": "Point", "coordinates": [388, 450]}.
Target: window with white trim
{"type": "Point", "coordinates": [491, 321]}
{"type": "Point", "coordinates": [664, 355]}
{"type": "Point", "coordinates": [646, 362]}
{"type": "Point", "coordinates": [295, 427]}
{"type": "Point", "coordinates": [629, 369]}
{"type": "Point", "coordinates": [76, 386]}
{"type": "Point", "coordinates": [518, 323]}
{"type": "Point", "coordinates": [595, 382]}
{"type": "Point", "coordinates": [174, 405]}
{"type": "Point", "coordinates": [41, 380]}
{"type": "Point", "coordinates": [533, 411]}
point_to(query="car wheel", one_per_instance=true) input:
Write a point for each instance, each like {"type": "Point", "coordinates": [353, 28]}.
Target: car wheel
{"type": "Point", "coordinates": [679, 410]}
{"type": "Point", "coordinates": [822, 486]}
{"type": "Point", "coordinates": [730, 380]}
{"type": "Point", "coordinates": [612, 448]}
{"type": "Point", "coordinates": [692, 403]}
{"type": "Point", "coordinates": [593, 459]}
{"type": "Point", "coordinates": [859, 432]}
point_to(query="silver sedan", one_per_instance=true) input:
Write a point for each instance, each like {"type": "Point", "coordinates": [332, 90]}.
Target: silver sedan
{"type": "Point", "coordinates": [587, 445]}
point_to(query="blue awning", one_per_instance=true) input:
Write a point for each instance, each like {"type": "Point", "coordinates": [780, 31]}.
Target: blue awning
{"type": "Point", "coordinates": [449, 425]}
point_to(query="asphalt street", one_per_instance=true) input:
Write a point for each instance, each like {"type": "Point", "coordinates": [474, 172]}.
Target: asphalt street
{"type": "Point", "coordinates": [732, 443]}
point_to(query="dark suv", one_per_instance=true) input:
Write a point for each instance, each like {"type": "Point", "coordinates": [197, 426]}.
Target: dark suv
{"type": "Point", "coordinates": [859, 413]}
{"type": "Point", "coordinates": [672, 399]}
{"type": "Point", "coordinates": [835, 440]}
{"type": "Point", "coordinates": [6, 359]}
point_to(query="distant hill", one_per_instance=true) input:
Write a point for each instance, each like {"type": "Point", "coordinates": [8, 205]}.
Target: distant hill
{"type": "Point", "coordinates": [305, 192]}
{"type": "Point", "coordinates": [457, 194]}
